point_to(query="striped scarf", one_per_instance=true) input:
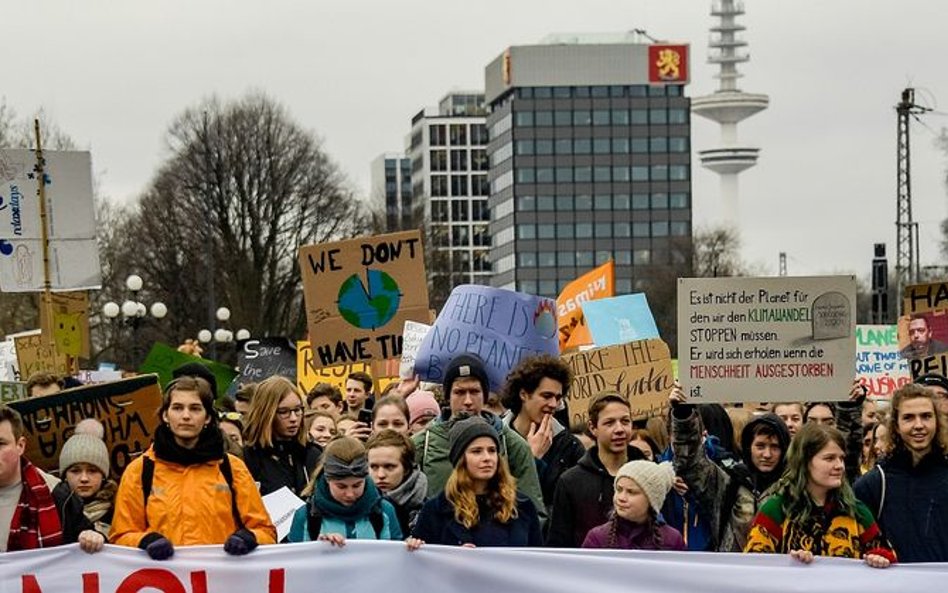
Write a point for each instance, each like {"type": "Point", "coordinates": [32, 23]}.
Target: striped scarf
{"type": "Point", "coordinates": [35, 521]}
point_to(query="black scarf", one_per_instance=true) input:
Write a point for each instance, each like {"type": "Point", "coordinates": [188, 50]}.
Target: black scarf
{"type": "Point", "coordinates": [210, 446]}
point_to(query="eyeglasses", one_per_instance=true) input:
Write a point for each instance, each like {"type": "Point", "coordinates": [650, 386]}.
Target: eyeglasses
{"type": "Point", "coordinates": [287, 412]}
{"type": "Point", "coordinates": [232, 416]}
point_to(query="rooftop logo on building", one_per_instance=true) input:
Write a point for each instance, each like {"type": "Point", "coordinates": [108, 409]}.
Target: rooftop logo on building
{"type": "Point", "coordinates": [668, 64]}
{"type": "Point", "coordinates": [507, 67]}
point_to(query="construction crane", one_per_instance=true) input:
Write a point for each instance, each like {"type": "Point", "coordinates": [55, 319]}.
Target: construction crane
{"type": "Point", "coordinates": [906, 230]}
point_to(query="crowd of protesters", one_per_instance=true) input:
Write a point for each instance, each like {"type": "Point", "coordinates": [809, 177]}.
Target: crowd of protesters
{"type": "Point", "coordinates": [460, 466]}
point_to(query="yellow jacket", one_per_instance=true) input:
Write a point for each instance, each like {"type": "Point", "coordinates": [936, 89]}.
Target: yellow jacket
{"type": "Point", "coordinates": [189, 505]}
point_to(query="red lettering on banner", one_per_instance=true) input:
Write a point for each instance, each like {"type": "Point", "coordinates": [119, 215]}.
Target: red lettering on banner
{"type": "Point", "coordinates": [277, 580]}
{"type": "Point", "coordinates": [90, 583]}
{"type": "Point", "coordinates": [199, 582]}
{"type": "Point", "coordinates": [155, 578]}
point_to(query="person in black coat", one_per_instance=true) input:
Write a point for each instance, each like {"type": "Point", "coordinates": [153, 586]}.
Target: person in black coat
{"type": "Point", "coordinates": [276, 450]}
{"type": "Point", "coordinates": [480, 505]}
{"type": "Point", "coordinates": [534, 391]}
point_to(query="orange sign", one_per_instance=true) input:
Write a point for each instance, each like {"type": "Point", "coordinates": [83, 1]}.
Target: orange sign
{"type": "Point", "coordinates": [595, 284]}
{"type": "Point", "coordinates": [668, 64]}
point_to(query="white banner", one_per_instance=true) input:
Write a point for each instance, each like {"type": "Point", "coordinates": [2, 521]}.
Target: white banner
{"type": "Point", "coordinates": [386, 567]}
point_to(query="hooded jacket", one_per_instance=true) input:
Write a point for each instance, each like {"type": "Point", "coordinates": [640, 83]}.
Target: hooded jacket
{"type": "Point", "coordinates": [432, 448]}
{"type": "Point", "coordinates": [731, 496]}
{"type": "Point", "coordinates": [190, 502]}
{"type": "Point", "coordinates": [583, 500]}
{"type": "Point", "coordinates": [914, 513]}
{"type": "Point", "coordinates": [564, 453]}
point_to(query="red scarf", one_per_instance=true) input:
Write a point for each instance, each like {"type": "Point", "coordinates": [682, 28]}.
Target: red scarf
{"type": "Point", "coordinates": [35, 521]}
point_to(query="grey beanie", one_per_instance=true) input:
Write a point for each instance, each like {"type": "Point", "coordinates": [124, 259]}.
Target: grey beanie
{"type": "Point", "coordinates": [465, 431]}
{"type": "Point", "coordinates": [84, 448]}
{"type": "Point", "coordinates": [655, 479]}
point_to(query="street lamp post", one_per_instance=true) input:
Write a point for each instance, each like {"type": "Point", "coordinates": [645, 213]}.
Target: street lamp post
{"type": "Point", "coordinates": [134, 311]}
{"type": "Point", "coordinates": [221, 335]}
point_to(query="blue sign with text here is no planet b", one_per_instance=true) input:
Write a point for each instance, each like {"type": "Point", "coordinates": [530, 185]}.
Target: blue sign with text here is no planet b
{"type": "Point", "coordinates": [620, 320]}
{"type": "Point", "coordinates": [501, 327]}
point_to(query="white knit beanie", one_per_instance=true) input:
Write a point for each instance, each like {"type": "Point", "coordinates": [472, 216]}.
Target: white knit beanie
{"type": "Point", "coordinates": [655, 479]}
{"type": "Point", "coordinates": [84, 448]}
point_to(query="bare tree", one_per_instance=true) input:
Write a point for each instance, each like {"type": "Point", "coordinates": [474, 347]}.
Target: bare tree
{"type": "Point", "coordinates": [244, 186]}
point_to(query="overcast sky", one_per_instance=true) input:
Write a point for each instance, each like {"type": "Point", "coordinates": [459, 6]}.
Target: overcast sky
{"type": "Point", "coordinates": [114, 74]}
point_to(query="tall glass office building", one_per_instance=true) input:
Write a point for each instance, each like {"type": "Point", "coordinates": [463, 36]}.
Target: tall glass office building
{"type": "Point", "coordinates": [590, 159]}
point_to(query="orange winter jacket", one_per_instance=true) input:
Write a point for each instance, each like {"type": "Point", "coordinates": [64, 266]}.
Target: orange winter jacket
{"type": "Point", "coordinates": [189, 505]}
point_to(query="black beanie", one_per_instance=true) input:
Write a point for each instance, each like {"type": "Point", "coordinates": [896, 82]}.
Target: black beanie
{"type": "Point", "coordinates": [465, 431]}
{"type": "Point", "coordinates": [932, 380]}
{"type": "Point", "coordinates": [463, 366]}
{"type": "Point", "coordinates": [196, 369]}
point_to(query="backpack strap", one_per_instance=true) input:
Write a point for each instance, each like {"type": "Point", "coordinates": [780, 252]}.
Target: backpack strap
{"type": "Point", "coordinates": [228, 473]}
{"type": "Point", "coordinates": [314, 522]}
{"type": "Point", "coordinates": [882, 495]}
{"type": "Point", "coordinates": [148, 476]}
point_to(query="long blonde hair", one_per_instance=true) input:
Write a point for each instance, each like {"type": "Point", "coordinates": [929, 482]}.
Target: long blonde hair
{"type": "Point", "coordinates": [258, 424]}
{"type": "Point", "coordinates": [501, 494]}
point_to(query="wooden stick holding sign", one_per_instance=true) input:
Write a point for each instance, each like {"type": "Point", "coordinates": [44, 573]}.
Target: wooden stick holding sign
{"type": "Point", "coordinates": [127, 409]}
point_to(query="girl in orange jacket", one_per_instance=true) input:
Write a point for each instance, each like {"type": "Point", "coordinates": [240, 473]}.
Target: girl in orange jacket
{"type": "Point", "coordinates": [196, 494]}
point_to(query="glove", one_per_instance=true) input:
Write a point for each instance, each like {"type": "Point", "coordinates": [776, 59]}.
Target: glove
{"type": "Point", "coordinates": [240, 542]}
{"type": "Point", "coordinates": [157, 546]}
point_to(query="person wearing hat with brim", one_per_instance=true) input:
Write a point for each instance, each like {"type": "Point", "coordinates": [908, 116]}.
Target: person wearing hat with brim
{"type": "Point", "coordinates": [466, 386]}
{"type": "Point", "coordinates": [84, 469]}
{"type": "Point", "coordinates": [640, 490]}
{"type": "Point", "coordinates": [480, 505]}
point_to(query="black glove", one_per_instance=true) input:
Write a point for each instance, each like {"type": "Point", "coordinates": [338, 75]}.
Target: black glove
{"type": "Point", "coordinates": [158, 546]}
{"type": "Point", "coordinates": [240, 542]}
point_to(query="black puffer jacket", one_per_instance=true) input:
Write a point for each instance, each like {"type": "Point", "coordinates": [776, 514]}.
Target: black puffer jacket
{"type": "Point", "coordinates": [583, 500]}
{"type": "Point", "coordinates": [286, 463]}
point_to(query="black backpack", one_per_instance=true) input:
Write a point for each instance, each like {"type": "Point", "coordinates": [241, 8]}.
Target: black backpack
{"type": "Point", "coordinates": [314, 520]}
{"type": "Point", "coordinates": [148, 476]}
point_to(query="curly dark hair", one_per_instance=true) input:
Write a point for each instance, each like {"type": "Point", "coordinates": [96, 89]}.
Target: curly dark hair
{"type": "Point", "coordinates": [527, 376]}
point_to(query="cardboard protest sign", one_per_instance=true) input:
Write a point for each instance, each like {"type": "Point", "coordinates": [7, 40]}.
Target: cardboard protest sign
{"type": "Point", "coordinates": [259, 358]}
{"type": "Point", "coordinates": [595, 284]}
{"type": "Point", "coordinates": [412, 337]}
{"type": "Point", "coordinates": [879, 365]}
{"type": "Point", "coordinates": [772, 339]}
{"type": "Point", "coordinates": [499, 326]}
{"type": "Point", "coordinates": [162, 359]}
{"type": "Point", "coordinates": [128, 410]}
{"type": "Point", "coordinates": [12, 391]}
{"type": "Point", "coordinates": [33, 355]}
{"type": "Point", "coordinates": [69, 325]}
{"type": "Point", "coordinates": [639, 371]}
{"type": "Point", "coordinates": [308, 374]}
{"type": "Point", "coordinates": [73, 253]}
{"type": "Point", "coordinates": [360, 293]}
{"type": "Point", "coordinates": [620, 319]}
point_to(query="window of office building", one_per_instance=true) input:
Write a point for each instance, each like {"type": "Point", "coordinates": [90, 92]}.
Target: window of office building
{"type": "Point", "coordinates": [620, 201]}
{"type": "Point", "coordinates": [562, 92]}
{"type": "Point", "coordinates": [582, 117]}
{"type": "Point", "coordinates": [564, 203]}
{"type": "Point", "coordinates": [584, 259]}
{"type": "Point", "coordinates": [480, 186]}
{"type": "Point", "coordinates": [584, 203]}
{"type": "Point", "coordinates": [640, 202]}
{"type": "Point", "coordinates": [524, 147]}
{"type": "Point", "coordinates": [459, 210]}
{"type": "Point", "coordinates": [659, 173]}
{"type": "Point", "coordinates": [460, 235]}
{"type": "Point", "coordinates": [546, 203]}
{"type": "Point", "coordinates": [660, 228]}
{"type": "Point", "coordinates": [458, 133]}
{"type": "Point", "coordinates": [678, 200]}
{"type": "Point", "coordinates": [562, 118]}
{"type": "Point", "coordinates": [480, 236]}
{"type": "Point", "coordinates": [526, 175]}
{"type": "Point", "coordinates": [439, 211]}
{"type": "Point", "coordinates": [639, 173]}
{"type": "Point", "coordinates": [600, 117]}
{"type": "Point", "coordinates": [620, 173]}
{"type": "Point", "coordinates": [479, 210]}
{"type": "Point", "coordinates": [545, 175]}
{"type": "Point", "coordinates": [543, 118]}
{"type": "Point", "coordinates": [623, 257]}
{"type": "Point", "coordinates": [603, 230]}
{"type": "Point", "coordinates": [479, 161]}
{"type": "Point", "coordinates": [527, 286]}
{"type": "Point", "coordinates": [527, 259]}
{"type": "Point", "coordinates": [680, 229]}
{"type": "Point", "coordinates": [639, 145]}
{"type": "Point", "coordinates": [602, 174]}
{"type": "Point", "coordinates": [542, 92]}
{"type": "Point", "coordinates": [678, 172]}
{"type": "Point", "coordinates": [641, 257]}
{"type": "Point", "coordinates": [547, 288]}
{"type": "Point", "coordinates": [584, 230]}
{"type": "Point", "coordinates": [439, 160]}
{"type": "Point", "coordinates": [620, 117]}
{"type": "Point", "coordinates": [620, 145]}
{"type": "Point", "coordinates": [479, 134]}
{"type": "Point", "coordinates": [566, 259]}
{"type": "Point", "coordinates": [623, 285]}
{"type": "Point", "coordinates": [564, 230]}
{"type": "Point", "coordinates": [622, 230]}
{"type": "Point", "coordinates": [582, 174]}
{"type": "Point", "coordinates": [523, 119]}
{"type": "Point", "coordinates": [437, 135]}
{"type": "Point", "coordinates": [546, 231]}
{"type": "Point", "coordinates": [640, 230]}
{"type": "Point", "coordinates": [481, 262]}
{"type": "Point", "coordinates": [638, 116]}
{"type": "Point", "coordinates": [459, 185]}
{"type": "Point", "coordinates": [677, 116]}
{"type": "Point", "coordinates": [439, 185]}
{"type": "Point", "coordinates": [602, 145]}
{"type": "Point", "coordinates": [564, 174]}
{"type": "Point", "coordinates": [582, 146]}
{"type": "Point", "coordinates": [459, 160]}
{"type": "Point", "coordinates": [602, 257]}
{"type": "Point", "coordinates": [526, 231]}
{"type": "Point", "coordinates": [546, 259]}
{"type": "Point", "coordinates": [544, 147]}
{"type": "Point", "coordinates": [678, 144]}
{"type": "Point", "coordinates": [659, 201]}
{"type": "Point", "coordinates": [658, 144]}
{"type": "Point", "coordinates": [658, 116]}
{"type": "Point", "coordinates": [526, 203]}
{"type": "Point", "coordinates": [602, 202]}
{"type": "Point", "coordinates": [564, 146]}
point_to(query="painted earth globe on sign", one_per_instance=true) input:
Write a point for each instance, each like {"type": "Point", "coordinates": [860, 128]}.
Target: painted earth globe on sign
{"type": "Point", "coordinates": [372, 305]}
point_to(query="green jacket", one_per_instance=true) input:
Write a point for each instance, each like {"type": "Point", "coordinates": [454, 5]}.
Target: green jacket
{"type": "Point", "coordinates": [431, 453]}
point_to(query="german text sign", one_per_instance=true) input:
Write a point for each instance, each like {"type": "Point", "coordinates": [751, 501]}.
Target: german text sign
{"type": "Point", "coordinates": [128, 410]}
{"type": "Point", "coordinates": [778, 339]}
{"type": "Point", "coordinates": [501, 327]}
{"type": "Point", "coordinates": [359, 294]}
{"type": "Point", "coordinates": [640, 371]}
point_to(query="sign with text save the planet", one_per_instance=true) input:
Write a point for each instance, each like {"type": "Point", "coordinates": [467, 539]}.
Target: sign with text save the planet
{"type": "Point", "coordinates": [501, 327]}
{"type": "Point", "coordinates": [359, 294]}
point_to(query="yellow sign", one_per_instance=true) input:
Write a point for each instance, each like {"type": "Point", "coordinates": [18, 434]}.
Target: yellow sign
{"type": "Point", "coordinates": [308, 374]}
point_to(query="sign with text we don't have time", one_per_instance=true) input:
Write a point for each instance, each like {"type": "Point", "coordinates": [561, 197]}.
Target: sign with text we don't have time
{"type": "Point", "coordinates": [767, 339]}
{"type": "Point", "coordinates": [127, 409]}
{"type": "Point", "coordinates": [359, 294]}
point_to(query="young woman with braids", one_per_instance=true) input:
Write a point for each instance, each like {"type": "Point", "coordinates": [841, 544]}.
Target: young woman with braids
{"type": "Point", "coordinates": [640, 490]}
{"type": "Point", "coordinates": [480, 505]}
{"type": "Point", "coordinates": [813, 511]}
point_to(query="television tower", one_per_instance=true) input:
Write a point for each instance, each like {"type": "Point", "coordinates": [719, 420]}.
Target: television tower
{"type": "Point", "coordinates": [728, 105]}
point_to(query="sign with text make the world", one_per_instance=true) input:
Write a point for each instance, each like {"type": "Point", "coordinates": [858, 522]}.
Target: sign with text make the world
{"type": "Point", "coordinates": [359, 294]}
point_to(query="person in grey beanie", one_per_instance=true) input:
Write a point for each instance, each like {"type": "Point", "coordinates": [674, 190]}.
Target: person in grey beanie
{"type": "Point", "coordinates": [84, 468]}
{"type": "Point", "coordinates": [480, 504]}
{"type": "Point", "coordinates": [466, 386]}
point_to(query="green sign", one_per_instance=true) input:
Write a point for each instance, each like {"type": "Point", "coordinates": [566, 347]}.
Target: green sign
{"type": "Point", "coordinates": [11, 391]}
{"type": "Point", "coordinates": [162, 359]}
